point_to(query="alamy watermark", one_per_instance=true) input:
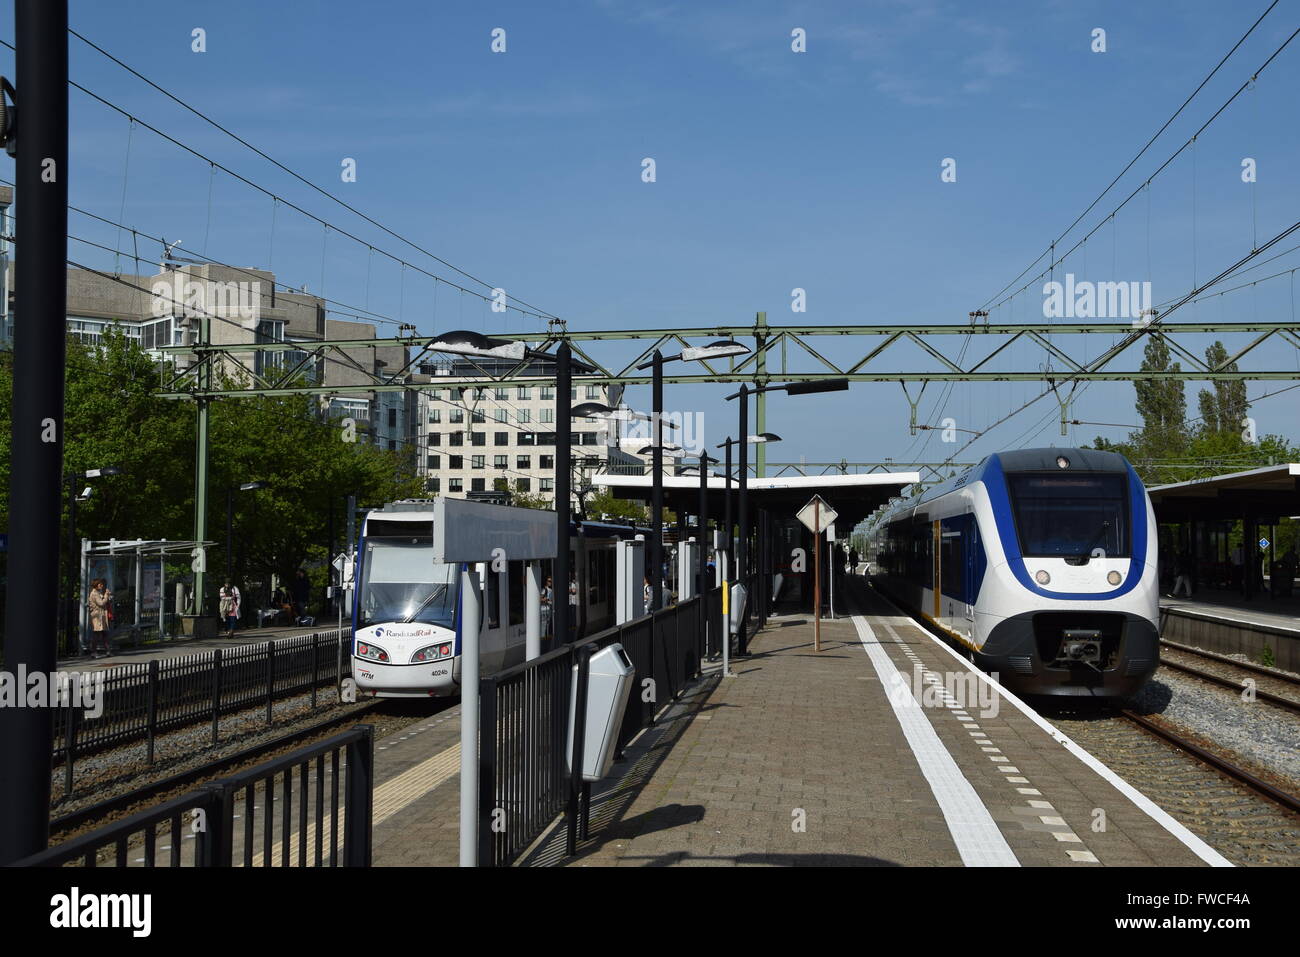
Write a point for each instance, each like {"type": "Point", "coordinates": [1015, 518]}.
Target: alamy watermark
{"type": "Point", "coordinates": [1095, 300]}
{"type": "Point", "coordinates": [961, 690]}
{"type": "Point", "coordinates": [231, 299]}
{"type": "Point", "coordinates": [62, 689]}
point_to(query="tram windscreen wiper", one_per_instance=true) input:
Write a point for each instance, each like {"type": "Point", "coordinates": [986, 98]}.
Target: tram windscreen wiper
{"type": "Point", "coordinates": [438, 590]}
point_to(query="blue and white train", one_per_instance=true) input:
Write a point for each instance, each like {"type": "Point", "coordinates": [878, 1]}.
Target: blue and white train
{"type": "Point", "coordinates": [406, 614]}
{"type": "Point", "coordinates": [1041, 563]}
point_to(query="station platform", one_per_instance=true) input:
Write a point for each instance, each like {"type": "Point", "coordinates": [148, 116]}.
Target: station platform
{"type": "Point", "coordinates": [807, 758]}
{"type": "Point", "coordinates": [175, 647]}
{"type": "Point", "coordinates": [1227, 623]}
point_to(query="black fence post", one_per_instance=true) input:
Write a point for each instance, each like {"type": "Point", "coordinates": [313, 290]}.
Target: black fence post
{"type": "Point", "coordinates": [70, 745]}
{"type": "Point", "coordinates": [215, 841]}
{"type": "Point", "coordinates": [270, 678]}
{"type": "Point", "coordinates": [315, 666]}
{"type": "Point", "coordinates": [216, 694]}
{"type": "Point", "coordinates": [360, 799]}
{"type": "Point", "coordinates": [487, 771]}
{"type": "Point", "coordinates": [151, 706]}
{"type": "Point", "coordinates": [579, 719]}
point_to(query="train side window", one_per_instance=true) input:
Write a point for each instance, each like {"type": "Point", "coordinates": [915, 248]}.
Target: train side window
{"type": "Point", "coordinates": [515, 597]}
{"type": "Point", "coordinates": [493, 598]}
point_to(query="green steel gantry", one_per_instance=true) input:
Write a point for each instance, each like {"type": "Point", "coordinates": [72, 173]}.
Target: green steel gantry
{"type": "Point", "coordinates": [873, 347]}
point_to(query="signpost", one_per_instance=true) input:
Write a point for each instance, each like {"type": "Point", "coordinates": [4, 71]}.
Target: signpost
{"type": "Point", "coordinates": [817, 516]}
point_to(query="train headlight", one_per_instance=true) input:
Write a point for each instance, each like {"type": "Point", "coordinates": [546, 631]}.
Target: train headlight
{"type": "Point", "coordinates": [1114, 578]}
{"type": "Point", "coordinates": [1042, 577]}
{"type": "Point", "coordinates": [372, 652]}
{"type": "Point", "coordinates": [432, 652]}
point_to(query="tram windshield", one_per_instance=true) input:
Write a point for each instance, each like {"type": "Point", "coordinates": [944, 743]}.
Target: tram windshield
{"type": "Point", "coordinates": [1071, 515]}
{"type": "Point", "coordinates": [400, 583]}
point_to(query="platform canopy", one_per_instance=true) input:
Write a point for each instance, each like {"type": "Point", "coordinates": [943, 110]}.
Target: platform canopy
{"type": "Point", "coordinates": [853, 496]}
{"type": "Point", "coordinates": [1263, 494]}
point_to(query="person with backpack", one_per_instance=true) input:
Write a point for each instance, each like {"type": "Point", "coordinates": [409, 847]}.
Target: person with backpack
{"type": "Point", "coordinates": [228, 599]}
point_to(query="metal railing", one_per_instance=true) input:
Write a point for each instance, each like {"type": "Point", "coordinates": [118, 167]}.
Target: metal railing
{"type": "Point", "coordinates": [524, 719]}
{"type": "Point", "coordinates": [138, 702]}
{"type": "Point", "coordinates": [332, 776]}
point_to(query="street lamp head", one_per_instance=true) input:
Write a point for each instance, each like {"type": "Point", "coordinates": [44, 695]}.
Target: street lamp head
{"type": "Point", "coordinates": [466, 343]}
{"type": "Point", "coordinates": [98, 473]}
{"type": "Point", "coordinates": [669, 450]}
{"type": "Point", "coordinates": [764, 437]}
{"type": "Point", "coordinates": [590, 408]}
{"type": "Point", "coordinates": [808, 388]}
{"type": "Point", "coordinates": [720, 349]}
{"type": "Point", "coordinates": [252, 486]}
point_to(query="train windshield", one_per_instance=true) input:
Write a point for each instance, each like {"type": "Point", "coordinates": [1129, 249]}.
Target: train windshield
{"type": "Point", "coordinates": [1071, 515]}
{"type": "Point", "coordinates": [400, 583]}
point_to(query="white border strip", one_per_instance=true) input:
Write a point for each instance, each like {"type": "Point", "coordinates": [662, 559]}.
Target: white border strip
{"type": "Point", "coordinates": [1162, 817]}
{"type": "Point", "coordinates": [973, 830]}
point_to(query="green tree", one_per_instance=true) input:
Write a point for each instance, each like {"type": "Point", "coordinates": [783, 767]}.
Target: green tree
{"type": "Point", "coordinates": [1225, 408]}
{"type": "Point", "coordinates": [604, 503]}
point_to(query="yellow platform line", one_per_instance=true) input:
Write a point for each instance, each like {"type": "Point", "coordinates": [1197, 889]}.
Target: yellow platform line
{"type": "Point", "coordinates": [390, 797]}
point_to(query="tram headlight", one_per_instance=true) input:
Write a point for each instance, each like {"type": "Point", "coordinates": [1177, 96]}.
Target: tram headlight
{"type": "Point", "coordinates": [1042, 577]}
{"type": "Point", "coordinates": [371, 652]}
{"type": "Point", "coordinates": [432, 652]}
{"type": "Point", "coordinates": [1114, 578]}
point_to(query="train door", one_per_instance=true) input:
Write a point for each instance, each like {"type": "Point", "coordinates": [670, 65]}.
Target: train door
{"type": "Point", "coordinates": [971, 541]}
{"type": "Point", "coordinates": [935, 547]}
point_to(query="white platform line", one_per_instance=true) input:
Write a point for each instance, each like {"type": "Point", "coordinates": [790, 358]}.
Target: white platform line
{"type": "Point", "coordinates": [978, 840]}
{"type": "Point", "coordinates": [1162, 817]}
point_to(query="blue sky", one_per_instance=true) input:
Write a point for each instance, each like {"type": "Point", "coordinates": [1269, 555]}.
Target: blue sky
{"type": "Point", "coordinates": [775, 170]}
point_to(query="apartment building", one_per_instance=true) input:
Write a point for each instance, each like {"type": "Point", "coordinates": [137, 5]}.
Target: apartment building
{"type": "Point", "coordinates": [242, 306]}
{"type": "Point", "coordinates": [501, 436]}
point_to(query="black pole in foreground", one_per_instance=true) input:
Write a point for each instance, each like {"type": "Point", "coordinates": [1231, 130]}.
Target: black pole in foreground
{"type": "Point", "coordinates": [726, 497]}
{"type": "Point", "coordinates": [655, 547]}
{"type": "Point", "coordinates": [703, 523]}
{"type": "Point", "coordinates": [36, 479]}
{"type": "Point", "coordinates": [742, 544]}
{"type": "Point", "coordinates": [563, 404]}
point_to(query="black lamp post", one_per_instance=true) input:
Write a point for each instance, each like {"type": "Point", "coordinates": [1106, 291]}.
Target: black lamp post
{"type": "Point", "coordinates": [791, 388]}
{"type": "Point", "coordinates": [230, 518]}
{"type": "Point", "coordinates": [720, 349]}
{"type": "Point", "coordinates": [734, 572]}
{"type": "Point", "coordinates": [71, 623]}
{"type": "Point", "coordinates": [703, 521]}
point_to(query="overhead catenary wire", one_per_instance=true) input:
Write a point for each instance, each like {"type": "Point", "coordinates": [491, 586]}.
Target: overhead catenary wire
{"type": "Point", "coordinates": [298, 209]}
{"type": "Point", "coordinates": [1145, 185]}
{"type": "Point", "coordinates": [1140, 153]}
{"type": "Point", "coordinates": [298, 176]}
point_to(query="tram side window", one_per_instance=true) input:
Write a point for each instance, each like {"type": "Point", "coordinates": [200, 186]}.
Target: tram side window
{"type": "Point", "coordinates": [515, 598]}
{"type": "Point", "coordinates": [493, 599]}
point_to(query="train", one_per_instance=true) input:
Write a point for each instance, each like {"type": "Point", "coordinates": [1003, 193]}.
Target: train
{"type": "Point", "coordinates": [1041, 564]}
{"type": "Point", "coordinates": [405, 615]}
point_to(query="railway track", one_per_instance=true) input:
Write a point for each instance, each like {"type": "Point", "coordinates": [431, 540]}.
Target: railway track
{"type": "Point", "coordinates": [128, 802]}
{"type": "Point", "coordinates": [1216, 760]}
{"type": "Point", "coordinates": [1247, 819]}
{"type": "Point", "coordinates": [1281, 689]}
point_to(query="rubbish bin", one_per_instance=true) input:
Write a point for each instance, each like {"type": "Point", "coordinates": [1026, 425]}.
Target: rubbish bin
{"type": "Point", "coordinates": [737, 611]}
{"type": "Point", "coordinates": [609, 685]}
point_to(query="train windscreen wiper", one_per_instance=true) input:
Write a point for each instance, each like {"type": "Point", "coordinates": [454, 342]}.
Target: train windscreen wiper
{"type": "Point", "coordinates": [1100, 536]}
